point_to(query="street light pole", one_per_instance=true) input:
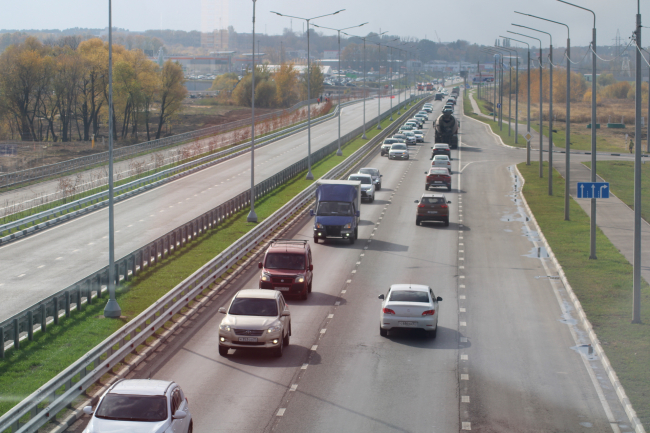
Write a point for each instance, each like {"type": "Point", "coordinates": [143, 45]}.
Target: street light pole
{"type": "Point", "coordinates": [309, 176]}
{"type": "Point", "coordinates": [550, 107]}
{"type": "Point", "coordinates": [594, 122]}
{"type": "Point", "coordinates": [528, 104]}
{"type": "Point", "coordinates": [339, 152]}
{"type": "Point", "coordinates": [112, 308]}
{"type": "Point", "coordinates": [636, 278]}
{"type": "Point", "coordinates": [252, 216]}
{"type": "Point", "coordinates": [541, 118]}
{"type": "Point", "coordinates": [509, 89]}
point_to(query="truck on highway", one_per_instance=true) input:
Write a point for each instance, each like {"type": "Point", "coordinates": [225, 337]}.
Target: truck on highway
{"type": "Point", "coordinates": [446, 130]}
{"type": "Point", "coordinates": [456, 91]}
{"type": "Point", "coordinates": [430, 87]}
{"type": "Point", "coordinates": [338, 209]}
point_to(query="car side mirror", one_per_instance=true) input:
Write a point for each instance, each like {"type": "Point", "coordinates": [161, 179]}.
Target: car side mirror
{"type": "Point", "coordinates": [259, 265]}
{"type": "Point", "coordinates": [311, 212]}
{"type": "Point", "coordinates": [431, 148]}
{"type": "Point", "coordinates": [448, 202]}
{"type": "Point", "coordinates": [180, 414]}
{"type": "Point", "coordinates": [381, 175]}
{"type": "Point", "coordinates": [88, 410]}
{"type": "Point", "coordinates": [286, 313]}
{"type": "Point", "coordinates": [381, 296]}
{"type": "Point", "coordinates": [438, 299]}
{"type": "Point", "coordinates": [416, 201]}
{"type": "Point", "coordinates": [311, 267]}
{"type": "Point", "coordinates": [357, 213]}
{"type": "Point", "coordinates": [222, 310]}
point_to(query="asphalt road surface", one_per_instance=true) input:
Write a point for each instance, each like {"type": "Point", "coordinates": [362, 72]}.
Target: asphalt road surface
{"type": "Point", "coordinates": [507, 357]}
{"type": "Point", "coordinates": [45, 263]}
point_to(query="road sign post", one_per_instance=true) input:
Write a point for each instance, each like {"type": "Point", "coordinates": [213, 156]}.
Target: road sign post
{"type": "Point", "coordinates": [593, 189]}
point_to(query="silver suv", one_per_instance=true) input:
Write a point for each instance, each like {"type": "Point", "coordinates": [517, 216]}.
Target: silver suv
{"type": "Point", "coordinates": [258, 319]}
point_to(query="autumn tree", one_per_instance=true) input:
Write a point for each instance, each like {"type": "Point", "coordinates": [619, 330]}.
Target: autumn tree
{"type": "Point", "coordinates": [94, 57]}
{"type": "Point", "coordinates": [286, 83]}
{"type": "Point", "coordinates": [172, 92]}
{"type": "Point", "coordinates": [225, 82]}
{"type": "Point", "coordinates": [65, 76]}
{"type": "Point", "coordinates": [315, 81]}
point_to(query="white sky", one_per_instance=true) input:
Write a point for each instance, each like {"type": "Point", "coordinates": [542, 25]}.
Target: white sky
{"type": "Point", "coordinates": [479, 21]}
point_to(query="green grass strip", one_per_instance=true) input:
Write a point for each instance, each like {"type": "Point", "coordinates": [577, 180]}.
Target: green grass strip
{"type": "Point", "coordinates": [604, 286]}
{"type": "Point", "coordinates": [620, 175]}
{"type": "Point", "coordinates": [36, 362]}
{"type": "Point", "coordinates": [469, 112]}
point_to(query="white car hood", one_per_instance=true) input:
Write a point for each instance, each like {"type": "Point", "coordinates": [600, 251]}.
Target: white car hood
{"type": "Point", "coordinates": [249, 322]}
{"type": "Point", "coordinates": [98, 425]}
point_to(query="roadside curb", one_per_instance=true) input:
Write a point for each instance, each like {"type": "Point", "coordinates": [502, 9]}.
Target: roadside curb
{"type": "Point", "coordinates": [611, 374]}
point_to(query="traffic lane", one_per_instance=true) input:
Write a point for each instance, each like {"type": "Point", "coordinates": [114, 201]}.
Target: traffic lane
{"type": "Point", "coordinates": [44, 263]}
{"type": "Point", "coordinates": [520, 364]}
{"type": "Point", "coordinates": [249, 379]}
{"type": "Point", "coordinates": [365, 382]}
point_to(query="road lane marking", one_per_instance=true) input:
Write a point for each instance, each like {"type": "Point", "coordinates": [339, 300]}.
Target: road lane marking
{"type": "Point", "coordinates": [461, 244]}
{"type": "Point", "coordinates": [304, 366]}
{"type": "Point", "coordinates": [354, 271]}
{"type": "Point", "coordinates": [464, 398]}
{"type": "Point", "coordinates": [21, 275]}
{"type": "Point", "coordinates": [463, 323]}
{"type": "Point", "coordinates": [348, 281]}
{"type": "Point", "coordinates": [343, 291]}
{"type": "Point", "coordinates": [74, 251]}
{"type": "Point", "coordinates": [462, 276]}
{"type": "Point", "coordinates": [42, 266]}
{"type": "Point", "coordinates": [463, 339]}
{"type": "Point", "coordinates": [293, 387]}
{"type": "Point", "coordinates": [466, 425]}
{"type": "Point", "coordinates": [281, 411]}
{"type": "Point", "coordinates": [461, 258]}
{"type": "Point", "coordinates": [59, 258]}
{"type": "Point", "coordinates": [330, 316]}
{"type": "Point", "coordinates": [462, 286]}
{"type": "Point", "coordinates": [461, 251]}
{"type": "Point", "coordinates": [461, 297]}
{"type": "Point", "coordinates": [461, 267]}
{"type": "Point", "coordinates": [463, 310]}
{"type": "Point", "coordinates": [337, 303]}
{"type": "Point", "coordinates": [324, 330]}
{"type": "Point", "coordinates": [464, 357]}
{"type": "Point", "coordinates": [314, 347]}
{"type": "Point", "coordinates": [464, 377]}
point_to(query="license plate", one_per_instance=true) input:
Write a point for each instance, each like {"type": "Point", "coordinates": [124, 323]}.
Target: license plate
{"type": "Point", "coordinates": [283, 289]}
{"type": "Point", "coordinates": [407, 323]}
{"type": "Point", "coordinates": [249, 339]}
{"type": "Point", "coordinates": [438, 181]}
{"type": "Point", "coordinates": [433, 211]}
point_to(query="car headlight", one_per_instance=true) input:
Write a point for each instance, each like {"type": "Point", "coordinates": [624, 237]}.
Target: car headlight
{"type": "Point", "coordinates": [319, 226]}
{"type": "Point", "coordinates": [275, 328]}
{"type": "Point", "coordinates": [224, 328]}
{"type": "Point", "coordinates": [300, 279]}
{"type": "Point", "coordinates": [348, 226]}
{"type": "Point", "coordinates": [266, 277]}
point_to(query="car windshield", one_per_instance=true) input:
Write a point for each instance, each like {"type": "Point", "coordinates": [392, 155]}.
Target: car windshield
{"type": "Point", "coordinates": [398, 147]}
{"type": "Point", "coordinates": [441, 158]}
{"type": "Point", "coordinates": [400, 136]}
{"type": "Point", "coordinates": [438, 171]}
{"type": "Point", "coordinates": [363, 179]}
{"type": "Point", "coordinates": [253, 307]}
{"type": "Point", "coordinates": [408, 296]}
{"type": "Point", "coordinates": [370, 171]}
{"type": "Point", "coordinates": [144, 408]}
{"type": "Point", "coordinates": [432, 200]}
{"type": "Point", "coordinates": [330, 208]}
{"type": "Point", "coordinates": [389, 141]}
{"type": "Point", "coordinates": [284, 261]}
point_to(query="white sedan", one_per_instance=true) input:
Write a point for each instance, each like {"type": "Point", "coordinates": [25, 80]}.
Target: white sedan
{"type": "Point", "coordinates": [441, 161]}
{"type": "Point", "coordinates": [412, 306]}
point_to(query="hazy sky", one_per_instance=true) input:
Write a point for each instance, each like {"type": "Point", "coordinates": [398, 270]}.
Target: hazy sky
{"type": "Point", "coordinates": [479, 21]}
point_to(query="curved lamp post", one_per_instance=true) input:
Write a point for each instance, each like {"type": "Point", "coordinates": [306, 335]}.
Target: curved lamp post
{"type": "Point", "coordinates": [528, 104]}
{"type": "Point", "coordinates": [310, 176]}
{"type": "Point", "coordinates": [338, 152]}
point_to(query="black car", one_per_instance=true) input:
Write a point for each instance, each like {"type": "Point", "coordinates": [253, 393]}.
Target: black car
{"type": "Point", "coordinates": [440, 149]}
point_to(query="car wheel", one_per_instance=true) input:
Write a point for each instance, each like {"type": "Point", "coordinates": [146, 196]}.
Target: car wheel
{"type": "Point", "coordinates": [277, 352]}
{"type": "Point", "coordinates": [447, 222]}
{"type": "Point", "coordinates": [286, 337]}
{"type": "Point", "coordinates": [315, 240]}
{"type": "Point", "coordinates": [308, 290]}
{"type": "Point", "coordinates": [372, 199]}
{"type": "Point", "coordinates": [223, 350]}
{"type": "Point", "coordinates": [190, 429]}
{"type": "Point", "coordinates": [352, 239]}
{"type": "Point", "coordinates": [448, 187]}
{"type": "Point", "coordinates": [417, 221]}
{"type": "Point", "coordinates": [378, 186]}
{"type": "Point", "coordinates": [303, 294]}
{"type": "Point", "coordinates": [432, 334]}
{"type": "Point", "coordinates": [426, 187]}
{"type": "Point", "coordinates": [383, 332]}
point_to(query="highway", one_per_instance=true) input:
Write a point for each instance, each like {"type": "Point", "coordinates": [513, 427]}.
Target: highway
{"type": "Point", "coordinates": [506, 358]}
{"type": "Point", "coordinates": [44, 263]}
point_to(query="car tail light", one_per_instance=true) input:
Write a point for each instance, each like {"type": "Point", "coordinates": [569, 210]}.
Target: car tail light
{"type": "Point", "coordinates": [429, 313]}
{"type": "Point", "coordinates": [448, 163]}
{"type": "Point", "coordinates": [387, 311]}
{"type": "Point", "coordinates": [421, 205]}
{"type": "Point", "coordinates": [444, 206]}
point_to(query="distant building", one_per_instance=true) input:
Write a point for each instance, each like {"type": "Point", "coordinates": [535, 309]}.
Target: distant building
{"type": "Point", "coordinates": [216, 40]}
{"type": "Point", "coordinates": [330, 54]}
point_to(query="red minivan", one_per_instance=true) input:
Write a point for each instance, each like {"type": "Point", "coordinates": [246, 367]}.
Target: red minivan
{"type": "Point", "coordinates": [288, 268]}
{"type": "Point", "coordinates": [437, 177]}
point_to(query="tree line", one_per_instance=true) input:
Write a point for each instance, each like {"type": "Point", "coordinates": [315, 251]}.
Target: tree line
{"type": "Point", "coordinates": [59, 92]}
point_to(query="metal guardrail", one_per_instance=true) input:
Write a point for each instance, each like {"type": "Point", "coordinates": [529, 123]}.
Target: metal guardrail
{"type": "Point", "coordinates": [93, 202]}
{"type": "Point", "coordinates": [42, 406]}
{"type": "Point", "coordinates": [60, 168]}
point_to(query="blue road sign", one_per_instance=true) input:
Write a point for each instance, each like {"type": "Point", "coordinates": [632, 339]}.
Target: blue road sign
{"type": "Point", "coordinates": [593, 190]}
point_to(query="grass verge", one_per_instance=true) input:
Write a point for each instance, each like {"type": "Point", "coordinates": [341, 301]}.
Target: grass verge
{"type": "Point", "coordinates": [620, 175]}
{"type": "Point", "coordinates": [24, 370]}
{"type": "Point", "coordinates": [469, 112]}
{"type": "Point", "coordinates": [604, 286]}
